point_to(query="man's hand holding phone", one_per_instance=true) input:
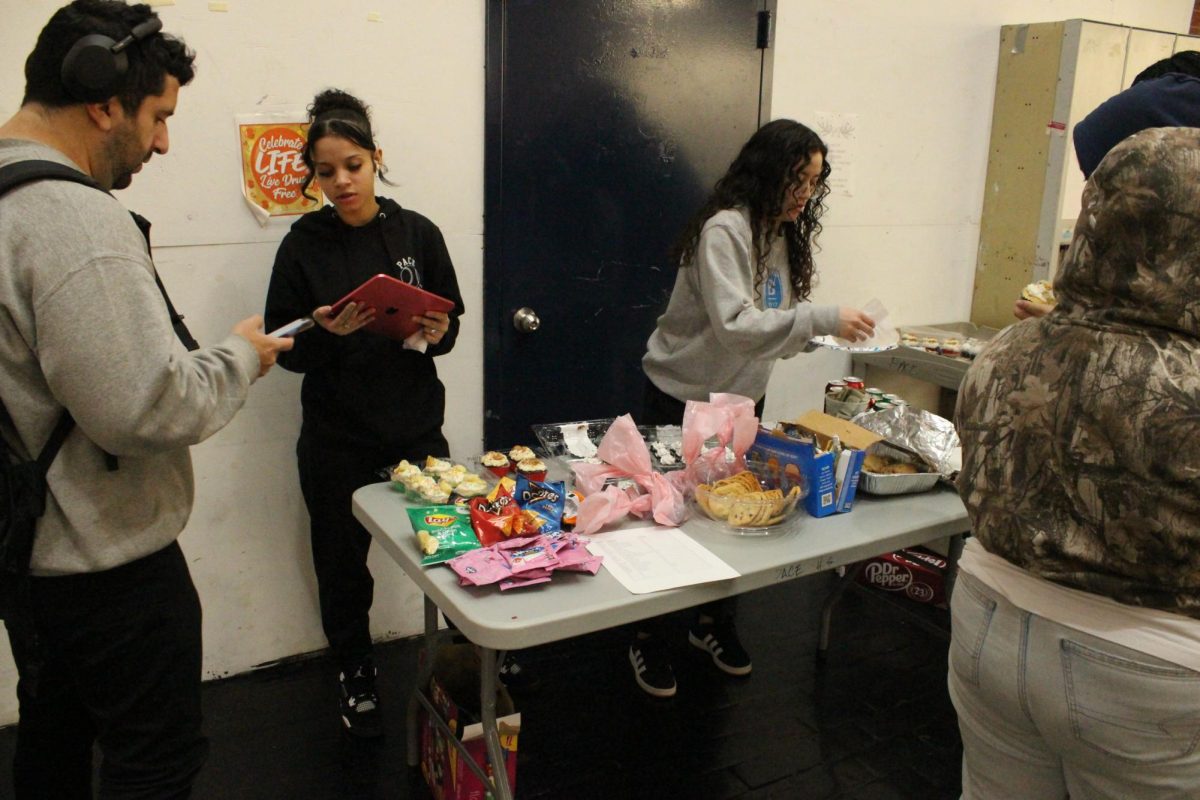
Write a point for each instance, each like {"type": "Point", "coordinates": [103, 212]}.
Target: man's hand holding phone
{"type": "Point", "coordinates": [267, 347]}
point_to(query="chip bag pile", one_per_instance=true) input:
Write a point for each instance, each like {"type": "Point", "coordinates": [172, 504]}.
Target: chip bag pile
{"type": "Point", "coordinates": [515, 509]}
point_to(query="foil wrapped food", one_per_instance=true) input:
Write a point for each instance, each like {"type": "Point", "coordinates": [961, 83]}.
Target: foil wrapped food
{"type": "Point", "coordinates": [931, 437]}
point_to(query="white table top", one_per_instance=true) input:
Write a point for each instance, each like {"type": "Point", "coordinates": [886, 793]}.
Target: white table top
{"type": "Point", "coordinates": [572, 604]}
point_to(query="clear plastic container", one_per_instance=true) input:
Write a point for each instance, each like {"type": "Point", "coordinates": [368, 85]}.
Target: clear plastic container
{"type": "Point", "coordinates": [758, 502]}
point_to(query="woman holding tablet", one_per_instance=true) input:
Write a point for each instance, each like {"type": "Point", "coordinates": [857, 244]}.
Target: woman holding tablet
{"type": "Point", "coordinates": [367, 400]}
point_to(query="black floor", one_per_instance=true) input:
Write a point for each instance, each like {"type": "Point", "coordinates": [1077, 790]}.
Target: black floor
{"type": "Point", "coordinates": [872, 722]}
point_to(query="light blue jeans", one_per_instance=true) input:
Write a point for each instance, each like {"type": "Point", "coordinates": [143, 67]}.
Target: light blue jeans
{"type": "Point", "coordinates": [1048, 712]}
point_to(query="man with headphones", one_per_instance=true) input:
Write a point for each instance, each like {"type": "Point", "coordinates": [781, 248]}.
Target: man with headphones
{"type": "Point", "coordinates": [107, 640]}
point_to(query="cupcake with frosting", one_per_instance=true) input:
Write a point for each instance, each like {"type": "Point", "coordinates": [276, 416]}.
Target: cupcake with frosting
{"type": "Point", "coordinates": [495, 462]}
{"type": "Point", "coordinates": [404, 472]}
{"type": "Point", "coordinates": [532, 468]}
{"type": "Point", "coordinates": [520, 453]}
{"type": "Point", "coordinates": [419, 486]}
{"type": "Point", "coordinates": [434, 494]}
{"type": "Point", "coordinates": [471, 486]}
{"type": "Point", "coordinates": [437, 466]}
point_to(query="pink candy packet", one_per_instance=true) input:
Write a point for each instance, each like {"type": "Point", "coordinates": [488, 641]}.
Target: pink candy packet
{"type": "Point", "coordinates": [480, 567]}
{"type": "Point", "coordinates": [528, 561]}
{"type": "Point", "coordinates": [535, 556]}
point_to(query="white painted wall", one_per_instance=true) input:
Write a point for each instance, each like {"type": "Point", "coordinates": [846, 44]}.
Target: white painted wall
{"type": "Point", "coordinates": [918, 75]}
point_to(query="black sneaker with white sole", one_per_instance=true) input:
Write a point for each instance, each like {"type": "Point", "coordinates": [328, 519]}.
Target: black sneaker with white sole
{"type": "Point", "coordinates": [651, 667]}
{"type": "Point", "coordinates": [720, 640]}
{"type": "Point", "coordinates": [359, 702]}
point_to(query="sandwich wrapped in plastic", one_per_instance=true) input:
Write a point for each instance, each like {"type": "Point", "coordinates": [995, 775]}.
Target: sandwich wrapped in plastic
{"type": "Point", "coordinates": [625, 483]}
{"type": "Point", "coordinates": [716, 436]}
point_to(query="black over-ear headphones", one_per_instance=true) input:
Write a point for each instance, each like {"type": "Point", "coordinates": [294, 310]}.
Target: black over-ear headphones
{"type": "Point", "coordinates": [95, 66]}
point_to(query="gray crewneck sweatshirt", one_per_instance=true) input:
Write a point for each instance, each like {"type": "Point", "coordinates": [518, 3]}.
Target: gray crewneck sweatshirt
{"type": "Point", "coordinates": [82, 325]}
{"type": "Point", "coordinates": [716, 334]}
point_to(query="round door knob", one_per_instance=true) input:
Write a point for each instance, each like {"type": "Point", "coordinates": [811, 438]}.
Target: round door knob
{"type": "Point", "coordinates": [526, 321]}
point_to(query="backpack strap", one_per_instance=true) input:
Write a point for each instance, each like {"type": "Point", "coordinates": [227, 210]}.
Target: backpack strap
{"type": "Point", "coordinates": [12, 176]}
{"type": "Point", "coordinates": [36, 169]}
{"type": "Point", "coordinates": [23, 172]}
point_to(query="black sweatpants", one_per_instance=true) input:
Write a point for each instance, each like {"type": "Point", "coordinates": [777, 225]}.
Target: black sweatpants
{"type": "Point", "coordinates": [329, 476]}
{"type": "Point", "coordinates": [116, 663]}
{"type": "Point", "coordinates": [660, 408]}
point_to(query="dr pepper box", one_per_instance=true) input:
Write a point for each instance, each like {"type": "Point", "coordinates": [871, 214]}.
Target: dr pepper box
{"type": "Point", "coordinates": [804, 445]}
{"type": "Point", "coordinates": [914, 572]}
{"type": "Point", "coordinates": [445, 773]}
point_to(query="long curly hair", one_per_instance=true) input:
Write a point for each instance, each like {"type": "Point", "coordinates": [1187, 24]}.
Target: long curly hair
{"type": "Point", "coordinates": [758, 179]}
{"type": "Point", "coordinates": [334, 112]}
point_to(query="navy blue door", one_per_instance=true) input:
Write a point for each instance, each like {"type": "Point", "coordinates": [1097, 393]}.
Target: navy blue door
{"type": "Point", "coordinates": [608, 121]}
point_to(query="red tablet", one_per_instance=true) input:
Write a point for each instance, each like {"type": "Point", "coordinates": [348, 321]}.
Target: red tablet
{"type": "Point", "coordinates": [395, 303]}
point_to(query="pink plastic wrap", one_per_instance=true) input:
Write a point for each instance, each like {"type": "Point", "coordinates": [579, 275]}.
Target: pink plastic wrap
{"type": "Point", "coordinates": [626, 457]}
{"type": "Point", "coordinates": [730, 419]}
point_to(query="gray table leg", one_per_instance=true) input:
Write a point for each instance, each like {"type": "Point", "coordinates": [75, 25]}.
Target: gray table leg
{"type": "Point", "coordinates": [830, 601]}
{"type": "Point", "coordinates": [487, 703]}
{"type": "Point", "coordinates": [424, 670]}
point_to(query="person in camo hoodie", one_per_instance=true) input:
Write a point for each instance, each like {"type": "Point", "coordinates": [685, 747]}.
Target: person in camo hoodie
{"type": "Point", "coordinates": [1075, 656]}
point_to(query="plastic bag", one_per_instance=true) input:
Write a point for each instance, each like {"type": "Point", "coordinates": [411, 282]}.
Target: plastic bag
{"type": "Point", "coordinates": [644, 493]}
{"type": "Point", "coordinates": [728, 419]}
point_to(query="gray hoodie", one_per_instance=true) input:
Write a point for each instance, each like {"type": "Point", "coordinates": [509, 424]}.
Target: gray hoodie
{"type": "Point", "coordinates": [82, 325]}
{"type": "Point", "coordinates": [716, 336]}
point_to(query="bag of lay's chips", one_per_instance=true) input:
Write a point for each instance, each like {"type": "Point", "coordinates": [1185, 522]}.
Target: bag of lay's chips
{"type": "Point", "coordinates": [443, 532]}
{"type": "Point", "coordinates": [542, 500]}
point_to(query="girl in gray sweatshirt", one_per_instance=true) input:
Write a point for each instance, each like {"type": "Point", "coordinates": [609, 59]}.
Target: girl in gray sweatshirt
{"type": "Point", "coordinates": [739, 304]}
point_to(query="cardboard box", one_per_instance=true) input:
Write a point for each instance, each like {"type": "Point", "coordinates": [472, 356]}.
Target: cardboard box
{"type": "Point", "coordinates": [442, 765]}
{"type": "Point", "coordinates": [832, 479]}
{"type": "Point", "coordinates": [918, 574]}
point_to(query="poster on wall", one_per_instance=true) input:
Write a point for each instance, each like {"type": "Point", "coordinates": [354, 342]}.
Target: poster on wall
{"type": "Point", "coordinates": [839, 131]}
{"type": "Point", "coordinates": [272, 169]}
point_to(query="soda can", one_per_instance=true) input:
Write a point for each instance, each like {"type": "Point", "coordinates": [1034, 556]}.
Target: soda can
{"type": "Point", "coordinates": [835, 386]}
{"type": "Point", "coordinates": [894, 399]}
{"type": "Point", "coordinates": [854, 382]}
{"type": "Point", "coordinates": [878, 394]}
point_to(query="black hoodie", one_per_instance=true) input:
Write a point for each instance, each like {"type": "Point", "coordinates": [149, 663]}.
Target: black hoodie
{"type": "Point", "coordinates": [362, 389]}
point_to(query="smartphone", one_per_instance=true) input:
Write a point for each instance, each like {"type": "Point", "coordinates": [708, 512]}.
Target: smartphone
{"type": "Point", "coordinates": [293, 327]}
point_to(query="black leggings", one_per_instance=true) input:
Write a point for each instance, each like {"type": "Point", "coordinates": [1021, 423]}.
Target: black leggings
{"type": "Point", "coordinates": [329, 476]}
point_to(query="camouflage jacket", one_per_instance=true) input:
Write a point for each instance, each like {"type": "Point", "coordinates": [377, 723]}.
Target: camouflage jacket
{"type": "Point", "coordinates": [1081, 430]}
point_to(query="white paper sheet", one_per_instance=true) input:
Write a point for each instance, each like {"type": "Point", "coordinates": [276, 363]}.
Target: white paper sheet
{"type": "Point", "coordinates": [651, 559]}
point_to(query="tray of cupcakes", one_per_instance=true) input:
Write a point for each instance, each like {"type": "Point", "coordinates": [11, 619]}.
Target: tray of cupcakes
{"type": "Point", "coordinates": [519, 460]}
{"type": "Point", "coordinates": [436, 481]}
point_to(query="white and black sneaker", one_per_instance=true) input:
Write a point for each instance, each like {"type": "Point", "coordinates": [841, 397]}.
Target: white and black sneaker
{"type": "Point", "coordinates": [720, 640]}
{"type": "Point", "coordinates": [359, 702]}
{"type": "Point", "coordinates": [651, 667]}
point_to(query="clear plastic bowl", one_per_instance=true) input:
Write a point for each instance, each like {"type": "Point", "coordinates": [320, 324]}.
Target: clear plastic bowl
{"type": "Point", "coordinates": [760, 502]}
